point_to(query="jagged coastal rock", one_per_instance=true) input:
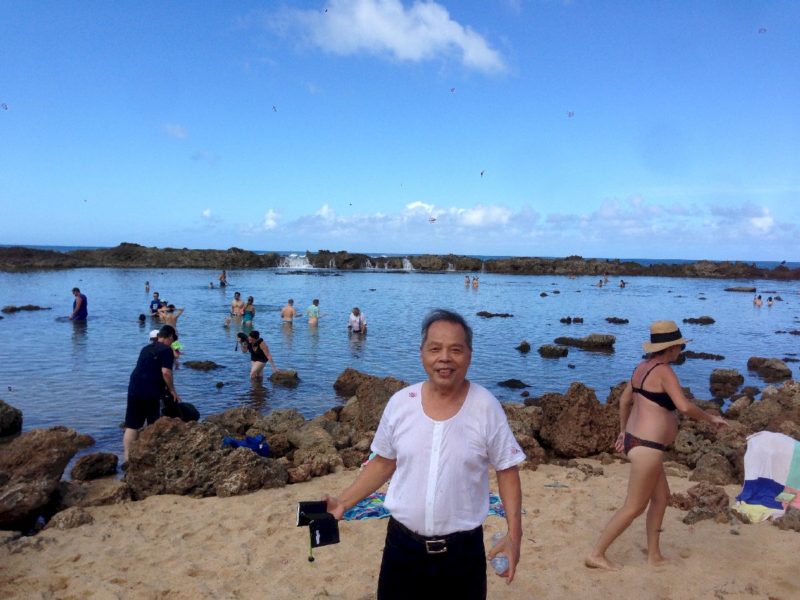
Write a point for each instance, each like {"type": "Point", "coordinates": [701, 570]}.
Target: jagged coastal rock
{"type": "Point", "coordinates": [173, 457]}
{"type": "Point", "coordinates": [128, 255]}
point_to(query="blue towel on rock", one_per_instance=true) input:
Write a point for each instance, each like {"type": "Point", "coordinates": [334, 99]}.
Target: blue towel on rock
{"type": "Point", "coordinates": [257, 444]}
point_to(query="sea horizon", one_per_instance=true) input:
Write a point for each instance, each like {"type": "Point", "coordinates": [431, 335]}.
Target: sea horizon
{"type": "Point", "coordinates": [762, 264]}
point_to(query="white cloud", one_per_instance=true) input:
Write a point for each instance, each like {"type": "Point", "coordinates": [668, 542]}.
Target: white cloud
{"type": "Point", "coordinates": [424, 31]}
{"type": "Point", "coordinates": [270, 220]}
{"type": "Point", "coordinates": [207, 213]}
{"type": "Point", "coordinates": [418, 206]}
{"type": "Point", "coordinates": [483, 216]}
{"type": "Point", "coordinates": [176, 131]}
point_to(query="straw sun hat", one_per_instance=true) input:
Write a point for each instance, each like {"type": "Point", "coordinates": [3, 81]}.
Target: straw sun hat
{"type": "Point", "coordinates": [663, 334]}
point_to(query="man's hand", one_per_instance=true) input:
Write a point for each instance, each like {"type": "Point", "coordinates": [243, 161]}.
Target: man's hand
{"type": "Point", "coordinates": [334, 507]}
{"type": "Point", "coordinates": [511, 549]}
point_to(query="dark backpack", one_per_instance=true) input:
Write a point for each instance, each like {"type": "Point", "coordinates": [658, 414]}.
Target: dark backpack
{"type": "Point", "coordinates": [185, 411]}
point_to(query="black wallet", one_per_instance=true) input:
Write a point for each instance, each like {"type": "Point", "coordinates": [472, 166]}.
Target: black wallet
{"type": "Point", "coordinates": [323, 528]}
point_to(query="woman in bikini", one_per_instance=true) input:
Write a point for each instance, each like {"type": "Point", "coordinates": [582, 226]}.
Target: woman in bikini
{"type": "Point", "coordinates": [648, 425]}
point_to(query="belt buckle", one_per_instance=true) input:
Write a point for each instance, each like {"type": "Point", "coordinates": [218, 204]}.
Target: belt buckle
{"type": "Point", "coordinates": [435, 546]}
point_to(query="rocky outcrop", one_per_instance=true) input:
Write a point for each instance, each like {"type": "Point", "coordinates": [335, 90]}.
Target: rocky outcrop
{"type": "Point", "coordinates": [778, 410]}
{"type": "Point", "coordinates": [576, 425]}
{"type": "Point", "coordinates": [202, 365]}
{"type": "Point", "coordinates": [617, 320]}
{"type": "Point", "coordinates": [285, 377]}
{"type": "Point", "coordinates": [723, 383]}
{"type": "Point", "coordinates": [570, 320]}
{"type": "Point", "coordinates": [31, 466]}
{"type": "Point", "coordinates": [10, 420]}
{"type": "Point", "coordinates": [26, 307]}
{"type": "Point", "coordinates": [703, 501]}
{"type": "Point", "coordinates": [524, 347]}
{"type": "Point", "coordinates": [174, 457]}
{"type": "Point", "coordinates": [702, 355]}
{"type": "Point", "coordinates": [94, 466]}
{"type": "Point", "coordinates": [700, 321]}
{"type": "Point", "coordinates": [595, 341]}
{"type": "Point", "coordinates": [552, 351]}
{"type": "Point", "coordinates": [128, 255]}
{"type": "Point", "coordinates": [97, 492]}
{"type": "Point", "coordinates": [769, 369]}
{"type": "Point", "coordinates": [489, 315]}
{"type": "Point", "coordinates": [70, 518]}
{"type": "Point", "coordinates": [514, 384]}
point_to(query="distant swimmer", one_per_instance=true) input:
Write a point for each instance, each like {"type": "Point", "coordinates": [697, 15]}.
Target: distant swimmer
{"type": "Point", "coordinates": [211, 285]}
{"type": "Point", "coordinates": [466, 280]}
{"type": "Point", "coordinates": [223, 279]}
{"type": "Point", "coordinates": [80, 306]}
{"type": "Point", "coordinates": [312, 312]}
{"type": "Point", "coordinates": [357, 323]}
{"type": "Point", "coordinates": [757, 301]}
{"type": "Point", "coordinates": [622, 283]}
{"type": "Point", "coordinates": [475, 282]}
{"type": "Point", "coordinates": [600, 283]}
{"type": "Point", "coordinates": [769, 301]}
{"type": "Point", "coordinates": [146, 287]}
{"type": "Point", "coordinates": [289, 312]}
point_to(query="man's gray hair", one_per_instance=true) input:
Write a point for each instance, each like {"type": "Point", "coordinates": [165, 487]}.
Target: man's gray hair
{"type": "Point", "coordinates": [440, 314]}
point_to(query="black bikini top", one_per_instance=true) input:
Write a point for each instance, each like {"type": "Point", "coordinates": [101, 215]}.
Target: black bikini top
{"type": "Point", "coordinates": [660, 398]}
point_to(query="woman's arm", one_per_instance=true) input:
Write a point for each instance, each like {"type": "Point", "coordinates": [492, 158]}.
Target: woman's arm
{"type": "Point", "coordinates": [625, 406]}
{"type": "Point", "coordinates": [686, 407]}
{"type": "Point", "coordinates": [265, 349]}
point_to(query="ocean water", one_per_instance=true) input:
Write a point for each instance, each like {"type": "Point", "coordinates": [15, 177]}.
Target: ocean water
{"type": "Point", "coordinates": [61, 373]}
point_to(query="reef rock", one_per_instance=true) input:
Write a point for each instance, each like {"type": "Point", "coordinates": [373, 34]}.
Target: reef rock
{"type": "Point", "coordinates": [703, 501]}
{"type": "Point", "coordinates": [725, 382]}
{"type": "Point", "coordinates": [175, 457]}
{"type": "Point", "coordinates": [700, 321]}
{"type": "Point", "coordinates": [202, 365]}
{"type": "Point", "coordinates": [10, 420]}
{"type": "Point", "coordinates": [285, 377]}
{"type": "Point", "coordinates": [31, 467]}
{"type": "Point", "coordinates": [769, 369]}
{"type": "Point", "coordinates": [94, 466]}
{"type": "Point", "coordinates": [594, 341]}
{"type": "Point", "coordinates": [576, 425]}
{"type": "Point", "coordinates": [552, 351]}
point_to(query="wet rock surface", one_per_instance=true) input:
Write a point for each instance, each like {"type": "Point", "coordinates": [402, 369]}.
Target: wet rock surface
{"type": "Point", "coordinates": [202, 365]}
{"type": "Point", "coordinates": [723, 383]}
{"type": "Point", "coordinates": [24, 308]}
{"type": "Point", "coordinates": [490, 315]}
{"type": "Point", "coordinates": [595, 341]}
{"type": "Point", "coordinates": [552, 351]}
{"type": "Point", "coordinates": [700, 321]}
{"type": "Point", "coordinates": [769, 369]}
{"type": "Point", "coordinates": [10, 420]}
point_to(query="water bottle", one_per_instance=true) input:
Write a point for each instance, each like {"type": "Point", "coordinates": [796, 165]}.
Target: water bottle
{"type": "Point", "coordinates": [500, 561]}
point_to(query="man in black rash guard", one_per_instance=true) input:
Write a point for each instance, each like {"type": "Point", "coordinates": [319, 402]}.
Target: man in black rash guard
{"type": "Point", "coordinates": [150, 380]}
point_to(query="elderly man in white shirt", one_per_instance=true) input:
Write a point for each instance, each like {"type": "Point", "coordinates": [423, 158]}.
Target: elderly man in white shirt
{"type": "Point", "coordinates": [357, 323]}
{"type": "Point", "coordinates": [436, 440]}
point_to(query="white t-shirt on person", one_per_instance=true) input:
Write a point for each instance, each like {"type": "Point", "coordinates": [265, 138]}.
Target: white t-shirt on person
{"type": "Point", "coordinates": [441, 484]}
{"type": "Point", "coordinates": [357, 323]}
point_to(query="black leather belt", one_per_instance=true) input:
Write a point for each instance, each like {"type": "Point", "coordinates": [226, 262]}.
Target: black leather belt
{"type": "Point", "coordinates": [435, 544]}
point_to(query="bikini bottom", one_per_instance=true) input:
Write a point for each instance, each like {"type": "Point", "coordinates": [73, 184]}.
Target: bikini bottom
{"type": "Point", "coordinates": [631, 441]}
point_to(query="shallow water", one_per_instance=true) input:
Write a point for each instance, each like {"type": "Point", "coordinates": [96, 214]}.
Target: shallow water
{"type": "Point", "coordinates": [60, 373]}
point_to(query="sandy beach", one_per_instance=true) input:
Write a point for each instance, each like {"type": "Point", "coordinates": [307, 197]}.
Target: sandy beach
{"type": "Point", "coordinates": [175, 547]}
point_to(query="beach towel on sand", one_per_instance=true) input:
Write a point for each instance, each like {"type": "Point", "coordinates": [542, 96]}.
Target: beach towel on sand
{"type": "Point", "coordinates": [771, 468]}
{"type": "Point", "coordinates": [372, 507]}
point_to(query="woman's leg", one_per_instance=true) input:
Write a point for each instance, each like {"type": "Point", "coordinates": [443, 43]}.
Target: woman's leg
{"type": "Point", "coordinates": [646, 468]}
{"type": "Point", "coordinates": [256, 369]}
{"type": "Point", "coordinates": [655, 517]}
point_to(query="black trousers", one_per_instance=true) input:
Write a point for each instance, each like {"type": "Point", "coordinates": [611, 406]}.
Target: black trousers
{"type": "Point", "coordinates": [434, 568]}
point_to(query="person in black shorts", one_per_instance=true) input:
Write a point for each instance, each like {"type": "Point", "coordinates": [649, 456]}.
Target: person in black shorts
{"type": "Point", "coordinates": [150, 380]}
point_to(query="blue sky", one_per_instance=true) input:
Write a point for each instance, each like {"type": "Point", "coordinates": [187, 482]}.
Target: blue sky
{"type": "Point", "coordinates": [523, 127]}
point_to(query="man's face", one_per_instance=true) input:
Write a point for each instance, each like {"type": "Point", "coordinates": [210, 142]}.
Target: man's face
{"type": "Point", "coordinates": [445, 354]}
{"type": "Point", "coordinates": [155, 295]}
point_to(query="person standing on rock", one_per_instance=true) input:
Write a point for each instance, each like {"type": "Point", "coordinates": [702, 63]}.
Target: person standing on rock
{"type": "Point", "coordinates": [80, 306]}
{"type": "Point", "coordinates": [436, 440]}
{"type": "Point", "coordinates": [648, 425]}
{"type": "Point", "coordinates": [150, 380]}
